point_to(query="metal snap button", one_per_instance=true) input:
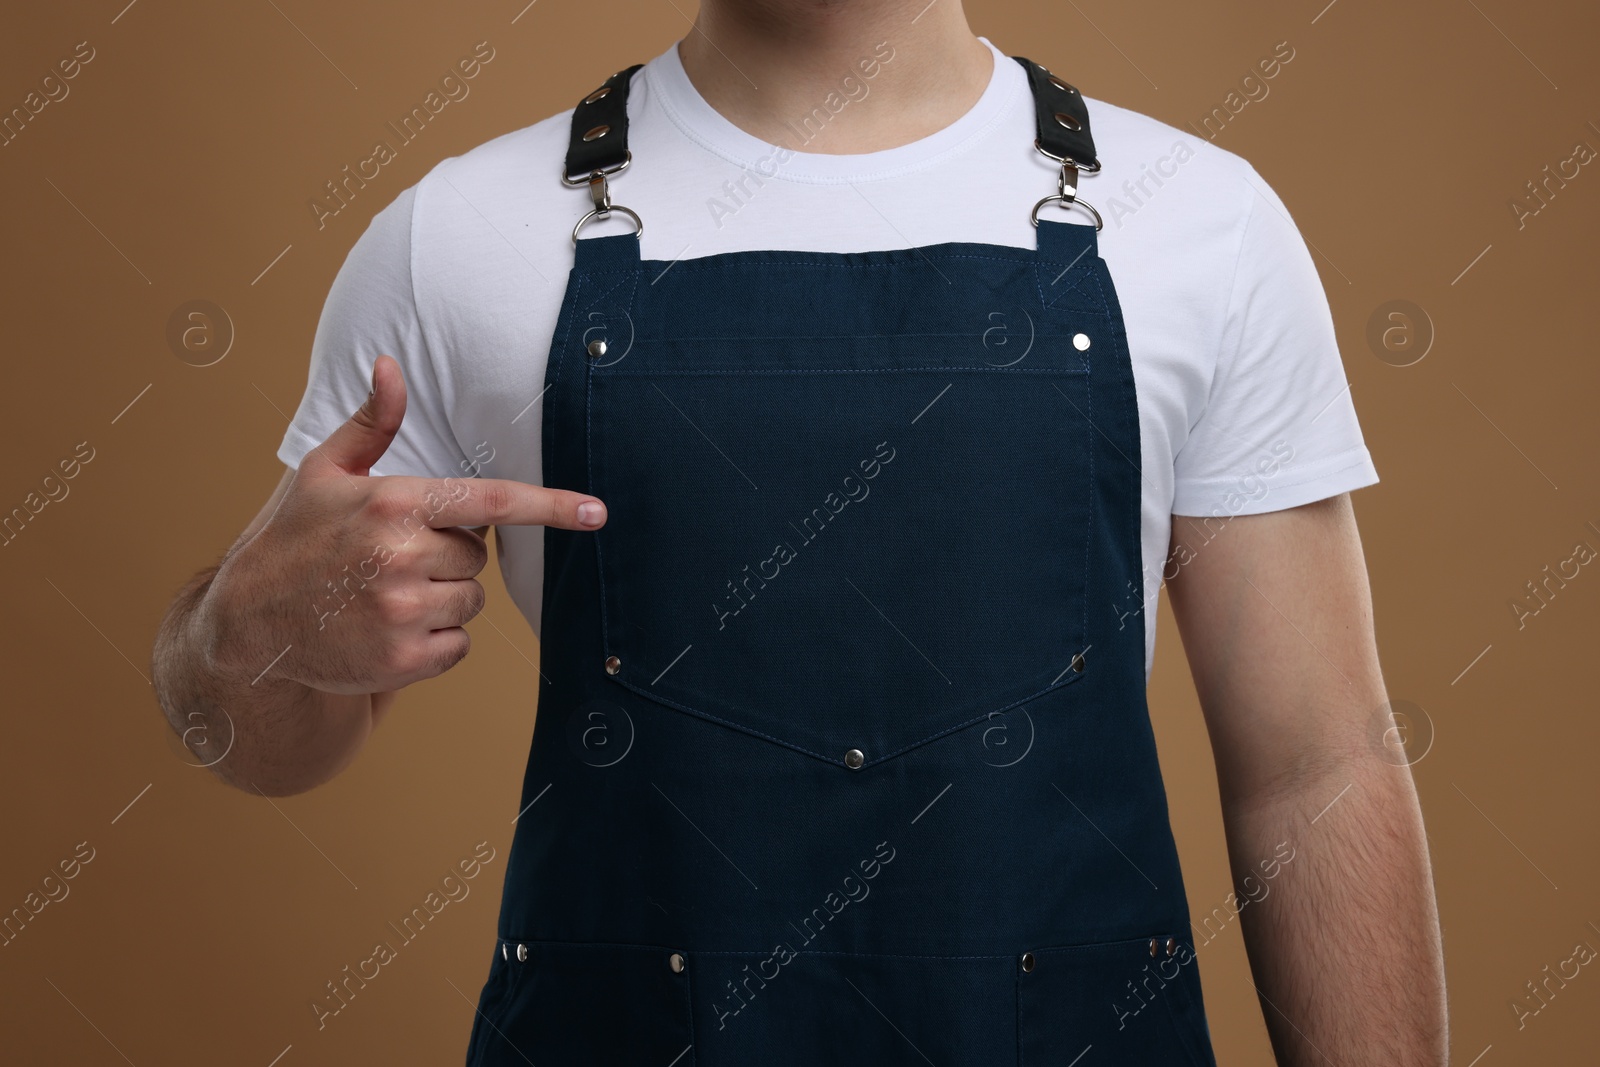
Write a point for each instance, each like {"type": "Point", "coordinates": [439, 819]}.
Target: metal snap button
{"type": "Point", "coordinates": [522, 953]}
{"type": "Point", "coordinates": [1061, 116]}
{"type": "Point", "coordinates": [1172, 946]}
{"type": "Point", "coordinates": [675, 961]}
{"type": "Point", "coordinates": [1077, 663]}
{"type": "Point", "coordinates": [1053, 80]}
{"type": "Point", "coordinates": [613, 665]}
{"type": "Point", "coordinates": [600, 131]}
{"type": "Point", "coordinates": [854, 759]}
{"type": "Point", "coordinates": [598, 94]}
{"type": "Point", "coordinates": [1153, 946]}
{"type": "Point", "coordinates": [504, 953]}
{"type": "Point", "coordinates": [1080, 341]}
{"type": "Point", "coordinates": [1027, 962]}
{"type": "Point", "coordinates": [597, 348]}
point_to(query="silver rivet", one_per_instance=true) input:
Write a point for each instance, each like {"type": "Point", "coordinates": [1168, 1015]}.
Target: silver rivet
{"type": "Point", "coordinates": [601, 130]}
{"type": "Point", "coordinates": [598, 94]}
{"type": "Point", "coordinates": [675, 961]}
{"type": "Point", "coordinates": [1080, 341]}
{"type": "Point", "coordinates": [1061, 116]}
{"type": "Point", "coordinates": [1027, 962]}
{"type": "Point", "coordinates": [504, 954]}
{"type": "Point", "coordinates": [597, 348]}
{"type": "Point", "coordinates": [613, 665]}
{"type": "Point", "coordinates": [1172, 946]}
{"type": "Point", "coordinates": [522, 953]}
{"type": "Point", "coordinates": [854, 759]}
{"type": "Point", "coordinates": [1153, 946]}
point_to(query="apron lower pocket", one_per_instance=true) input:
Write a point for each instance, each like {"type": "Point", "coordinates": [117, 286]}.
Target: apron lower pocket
{"type": "Point", "coordinates": [568, 1003]}
{"type": "Point", "coordinates": [1133, 1003]}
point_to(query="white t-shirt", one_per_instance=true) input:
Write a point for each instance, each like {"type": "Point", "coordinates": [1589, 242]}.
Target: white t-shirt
{"type": "Point", "coordinates": [1243, 403]}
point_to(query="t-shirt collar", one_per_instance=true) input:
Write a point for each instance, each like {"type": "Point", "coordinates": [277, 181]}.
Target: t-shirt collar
{"type": "Point", "coordinates": [671, 88]}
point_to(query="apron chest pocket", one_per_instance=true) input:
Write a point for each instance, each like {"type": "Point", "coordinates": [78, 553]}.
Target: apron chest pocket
{"type": "Point", "coordinates": [573, 1005]}
{"type": "Point", "coordinates": [856, 557]}
{"type": "Point", "coordinates": [1117, 1004]}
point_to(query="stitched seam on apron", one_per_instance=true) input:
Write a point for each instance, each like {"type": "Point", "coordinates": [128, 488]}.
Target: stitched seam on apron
{"type": "Point", "coordinates": [854, 955]}
{"type": "Point", "coordinates": [1096, 301]}
{"type": "Point", "coordinates": [688, 1012]}
{"type": "Point", "coordinates": [767, 951]}
{"type": "Point", "coordinates": [1074, 284]}
{"type": "Point", "coordinates": [1016, 986]}
{"type": "Point", "coordinates": [1130, 415]}
{"type": "Point", "coordinates": [1088, 522]}
{"type": "Point", "coordinates": [566, 336]}
{"type": "Point", "coordinates": [597, 944]}
{"type": "Point", "coordinates": [588, 457]}
{"type": "Point", "coordinates": [1020, 260]}
{"type": "Point", "coordinates": [720, 372]}
{"type": "Point", "coordinates": [742, 728]}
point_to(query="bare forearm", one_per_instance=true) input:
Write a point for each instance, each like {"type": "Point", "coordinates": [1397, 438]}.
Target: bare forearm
{"type": "Point", "coordinates": [1345, 947]}
{"type": "Point", "coordinates": [256, 732]}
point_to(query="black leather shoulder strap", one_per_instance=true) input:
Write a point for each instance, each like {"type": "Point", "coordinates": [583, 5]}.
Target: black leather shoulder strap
{"type": "Point", "coordinates": [599, 140]}
{"type": "Point", "coordinates": [1061, 117]}
{"type": "Point", "coordinates": [600, 128]}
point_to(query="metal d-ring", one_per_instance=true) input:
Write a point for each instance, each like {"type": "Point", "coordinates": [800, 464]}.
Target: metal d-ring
{"type": "Point", "coordinates": [1067, 186]}
{"type": "Point", "coordinates": [639, 223]}
{"type": "Point", "coordinates": [1069, 201]}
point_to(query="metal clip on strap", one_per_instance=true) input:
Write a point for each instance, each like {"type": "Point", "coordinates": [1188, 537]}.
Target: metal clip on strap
{"type": "Point", "coordinates": [598, 147]}
{"type": "Point", "coordinates": [1062, 121]}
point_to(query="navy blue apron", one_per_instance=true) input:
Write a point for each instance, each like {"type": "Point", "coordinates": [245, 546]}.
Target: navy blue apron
{"type": "Point", "coordinates": [842, 753]}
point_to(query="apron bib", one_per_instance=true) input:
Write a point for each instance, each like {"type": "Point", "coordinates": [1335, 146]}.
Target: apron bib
{"type": "Point", "coordinates": [842, 752]}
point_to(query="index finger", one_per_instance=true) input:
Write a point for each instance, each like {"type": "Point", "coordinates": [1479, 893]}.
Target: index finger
{"type": "Point", "coordinates": [502, 502]}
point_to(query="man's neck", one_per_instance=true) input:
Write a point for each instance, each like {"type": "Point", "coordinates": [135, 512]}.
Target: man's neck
{"type": "Point", "coordinates": [768, 65]}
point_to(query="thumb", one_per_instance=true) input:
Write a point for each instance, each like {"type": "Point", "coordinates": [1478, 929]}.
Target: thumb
{"type": "Point", "coordinates": [363, 438]}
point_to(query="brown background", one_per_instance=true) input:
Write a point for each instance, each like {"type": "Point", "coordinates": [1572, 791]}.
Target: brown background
{"type": "Point", "coordinates": [181, 165]}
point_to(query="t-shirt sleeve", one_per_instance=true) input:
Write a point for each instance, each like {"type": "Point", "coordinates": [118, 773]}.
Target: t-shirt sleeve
{"type": "Point", "coordinates": [1278, 428]}
{"type": "Point", "coordinates": [371, 310]}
